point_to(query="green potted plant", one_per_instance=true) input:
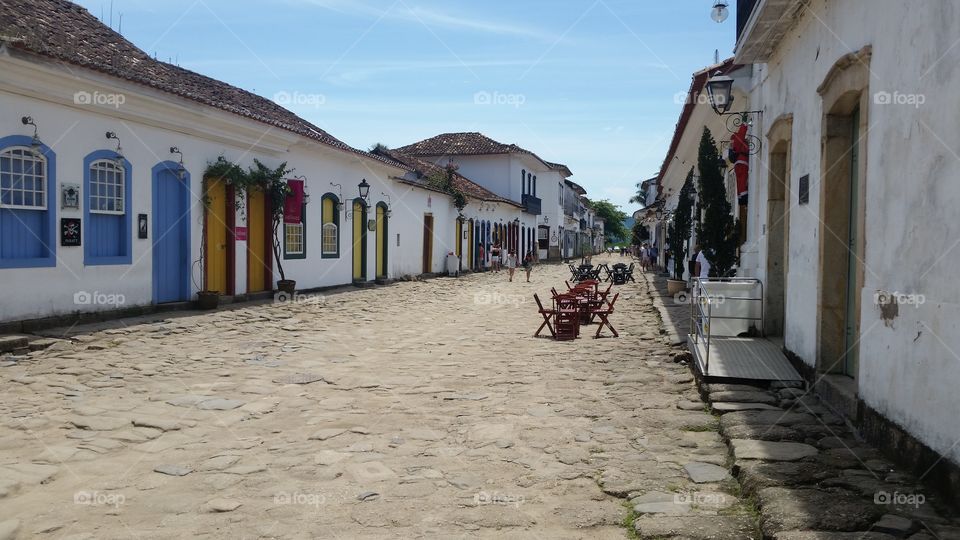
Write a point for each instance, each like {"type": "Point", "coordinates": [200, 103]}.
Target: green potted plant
{"type": "Point", "coordinates": [679, 235]}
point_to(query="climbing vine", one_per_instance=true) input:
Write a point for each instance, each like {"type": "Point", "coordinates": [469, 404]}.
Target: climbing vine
{"type": "Point", "coordinates": [443, 181]}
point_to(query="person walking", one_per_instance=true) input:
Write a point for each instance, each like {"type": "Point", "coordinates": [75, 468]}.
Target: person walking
{"type": "Point", "coordinates": [528, 264]}
{"type": "Point", "coordinates": [495, 257]}
{"type": "Point", "coordinates": [482, 256]}
{"type": "Point", "coordinates": [511, 263]}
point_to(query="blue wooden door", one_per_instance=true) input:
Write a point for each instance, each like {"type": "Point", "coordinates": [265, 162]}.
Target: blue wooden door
{"type": "Point", "coordinates": [171, 235]}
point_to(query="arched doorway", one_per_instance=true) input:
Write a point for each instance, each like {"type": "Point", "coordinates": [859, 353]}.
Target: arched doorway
{"type": "Point", "coordinates": [778, 226]}
{"type": "Point", "coordinates": [382, 241]}
{"type": "Point", "coordinates": [359, 240]}
{"type": "Point", "coordinates": [845, 98]}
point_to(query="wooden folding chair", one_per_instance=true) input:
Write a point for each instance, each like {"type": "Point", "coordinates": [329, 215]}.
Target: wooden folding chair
{"type": "Point", "coordinates": [603, 314]}
{"type": "Point", "coordinates": [567, 318]}
{"type": "Point", "coordinates": [546, 314]}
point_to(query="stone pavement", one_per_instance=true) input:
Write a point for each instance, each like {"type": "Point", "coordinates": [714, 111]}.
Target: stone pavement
{"type": "Point", "coordinates": [418, 410]}
{"type": "Point", "coordinates": [811, 476]}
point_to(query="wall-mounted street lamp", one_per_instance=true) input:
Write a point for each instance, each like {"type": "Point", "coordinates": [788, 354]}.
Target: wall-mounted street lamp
{"type": "Point", "coordinates": [720, 94]}
{"type": "Point", "coordinates": [119, 159]}
{"type": "Point", "coordinates": [720, 11]}
{"type": "Point", "coordinates": [35, 145]}
{"type": "Point", "coordinates": [364, 189]}
{"type": "Point", "coordinates": [181, 170]}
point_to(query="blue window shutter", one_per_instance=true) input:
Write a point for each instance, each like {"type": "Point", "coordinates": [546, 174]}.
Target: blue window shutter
{"type": "Point", "coordinates": [28, 237]}
{"type": "Point", "coordinates": [107, 238]}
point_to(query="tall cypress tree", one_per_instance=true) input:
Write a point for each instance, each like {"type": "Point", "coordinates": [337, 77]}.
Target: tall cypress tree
{"type": "Point", "coordinates": [680, 228]}
{"type": "Point", "coordinates": [717, 231]}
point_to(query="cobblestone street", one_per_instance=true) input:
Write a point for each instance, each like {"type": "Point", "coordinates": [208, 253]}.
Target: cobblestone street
{"type": "Point", "coordinates": [423, 409]}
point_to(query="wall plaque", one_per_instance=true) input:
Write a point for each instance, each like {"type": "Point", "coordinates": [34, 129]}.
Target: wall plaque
{"type": "Point", "coordinates": [804, 191]}
{"type": "Point", "coordinates": [70, 196]}
{"type": "Point", "coordinates": [69, 231]}
{"type": "Point", "coordinates": [141, 226]}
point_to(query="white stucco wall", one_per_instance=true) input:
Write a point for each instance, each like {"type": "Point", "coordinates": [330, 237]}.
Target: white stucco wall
{"type": "Point", "coordinates": [909, 364]}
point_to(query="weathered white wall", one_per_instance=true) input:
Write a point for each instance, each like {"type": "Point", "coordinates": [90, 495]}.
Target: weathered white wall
{"type": "Point", "coordinates": [909, 364]}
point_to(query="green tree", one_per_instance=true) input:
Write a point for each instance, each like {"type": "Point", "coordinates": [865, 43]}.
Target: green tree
{"type": "Point", "coordinates": [613, 228]}
{"type": "Point", "coordinates": [679, 230]}
{"type": "Point", "coordinates": [640, 197]}
{"type": "Point", "coordinates": [717, 233]}
{"type": "Point", "coordinates": [640, 233]}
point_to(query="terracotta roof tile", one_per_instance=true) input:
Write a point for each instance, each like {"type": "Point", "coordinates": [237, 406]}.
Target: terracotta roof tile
{"type": "Point", "coordinates": [470, 143]}
{"type": "Point", "coordinates": [67, 32]}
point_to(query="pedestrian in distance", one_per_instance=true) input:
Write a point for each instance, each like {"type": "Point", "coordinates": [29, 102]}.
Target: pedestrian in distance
{"type": "Point", "coordinates": [528, 264]}
{"type": "Point", "coordinates": [511, 263]}
{"type": "Point", "coordinates": [482, 256]}
{"type": "Point", "coordinates": [495, 257]}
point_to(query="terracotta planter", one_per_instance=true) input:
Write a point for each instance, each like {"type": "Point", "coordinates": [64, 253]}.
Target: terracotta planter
{"type": "Point", "coordinates": [676, 285]}
{"type": "Point", "coordinates": [288, 286]}
{"type": "Point", "coordinates": [208, 299]}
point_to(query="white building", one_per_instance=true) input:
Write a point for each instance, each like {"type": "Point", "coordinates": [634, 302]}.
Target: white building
{"type": "Point", "coordinates": [852, 217]}
{"type": "Point", "coordinates": [513, 173]}
{"type": "Point", "coordinates": [90, 223]}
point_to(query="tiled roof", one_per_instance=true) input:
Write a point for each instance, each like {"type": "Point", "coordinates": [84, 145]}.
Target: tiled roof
{"type": "Point", "coordinates": [470, 143]}
{"type": "Point", "coordinates": [67, 32]}
{"type": "Point", "coordinates": [425, 168]}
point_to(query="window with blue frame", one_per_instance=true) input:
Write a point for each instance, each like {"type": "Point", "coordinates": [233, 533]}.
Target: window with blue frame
{"type": "Point", "coordinates": [106, 187]}
{"type": "Point", "coordinates": [27, 232]}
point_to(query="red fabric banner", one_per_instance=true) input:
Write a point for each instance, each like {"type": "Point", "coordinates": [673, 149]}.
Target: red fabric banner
{"type": "Point", "coordinates": [740, 156]}
{"type": "Point", "coordinates": [293, 204]}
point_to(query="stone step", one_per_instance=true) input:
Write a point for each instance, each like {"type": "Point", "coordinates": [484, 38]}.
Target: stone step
{"type": "Point", "coordinates": [14, 342]}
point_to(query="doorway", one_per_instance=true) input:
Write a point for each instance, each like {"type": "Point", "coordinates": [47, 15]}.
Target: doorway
{"type": "Point", "coordinates": [171, 234]}
{"type": "Point", "coordinates": [382, 235]}
{"type": "Point", "coordinates": [777, 229]}
{"type": "Point", "coordinates": [359, 240]}
{"type": "Point", "coordinates": [259, 240]}
{"type": "Point", "coordinates": [218, 243]}
{"type": "Point", "coordinates": [427, 243]}
{"type": "Point", "coordinates": [842, 241]}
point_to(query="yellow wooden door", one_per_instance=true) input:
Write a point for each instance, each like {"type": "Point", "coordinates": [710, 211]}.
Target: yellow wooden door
{"type": "Point", "coordinates": [359, 241]}
{"type": "Point", "coordinates": [216, 241]}
{"type": "Point", "coordinates": [381, 242]}
{"type": "Point", "coordinates": [258, 259]}
{"type": "Point", "coordinates": [458, 249]}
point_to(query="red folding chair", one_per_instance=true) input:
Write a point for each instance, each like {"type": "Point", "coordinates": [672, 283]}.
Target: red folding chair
{"type": "Point", "coordinates": [567, 317]}
{"type": "Point", "coordinates": [603, 294]}
{"type": "Point", "coordinates": [547, 314]}
{"type": "Point", "coordinates": [603, 313]}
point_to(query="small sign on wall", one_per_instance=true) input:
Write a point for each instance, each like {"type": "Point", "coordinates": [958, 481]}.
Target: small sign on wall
{"type": "Point", "coordinates": [141, 226]}
{"type": "Point", "coordinates": [69, 231]}
{"type": "Point", "coordinates": [240, 233]}
{"type": "Point", "coordinates": [804, 190]}
{"type": "Point", "coordinates": [371, 224]}
{"type": "Point", "coordinates": [70, 196]}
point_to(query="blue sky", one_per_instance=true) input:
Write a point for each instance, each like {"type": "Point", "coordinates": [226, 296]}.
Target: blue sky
{"type": "Point", "coordinates": [592, 84]}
